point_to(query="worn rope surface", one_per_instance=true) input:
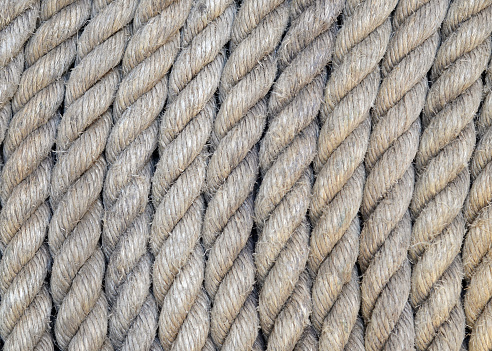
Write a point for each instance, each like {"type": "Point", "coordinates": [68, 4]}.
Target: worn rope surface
{"type": "Point", "coordinates": [79, 265]}
{"type": "Point", "coordinates": [477, 248]}
{"type": "Point", "coordinates": [446, 146]}
{"type": "Point", "coordinates": [232, 172]}
{"type": "Point", "coordinates": [392, 147]}
{"type": "Point", "coordinates": [180, 176]}
{"type": "Point", "coordinates": [140, 98]}
{"type": "Point", "coordinates": [26, 305]}
{"type": "Point", "coordinates": [286, 153]}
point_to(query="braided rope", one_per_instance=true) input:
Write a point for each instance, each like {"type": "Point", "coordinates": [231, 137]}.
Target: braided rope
{"type": "Point", "coordinates": [180, 177]}
{"type": "Point", "coordinates": [139, 100]}
{"type": "Point", "coordinates": [26, 304]}
{"type": "Point", "coordinates": [393, 145]}
{"type": "Point", "coordinates": [78, 266]}
{"type": "Point", "coordinates": [446, 146]}
{"type": "Point", "coordinates": [477, 248]}
{"type": "Point", "coordinates": [232, 172]}
{"type": "Point", "coordinates": [286, 153]}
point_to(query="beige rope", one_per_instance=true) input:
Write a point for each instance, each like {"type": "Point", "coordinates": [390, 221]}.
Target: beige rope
{"type": "Point", "coordinates": [285, 155]}
{"type": "Point", "coordinates": [446, 146]}
{"type": "Point", "coordinates": [26, 305]}
{"type": "Point", "coordinates": [180, 176]}
{"type": "Point", "coordinates": [78, 267]}
{"type": "Point", "coordinates": [232, 172]}
{"type": "Point", "coordinates": [139, 100]}
{"type": "Point", "coordinates": [393, 145]}
{"type": "Point", "coordinates": [477, 248]}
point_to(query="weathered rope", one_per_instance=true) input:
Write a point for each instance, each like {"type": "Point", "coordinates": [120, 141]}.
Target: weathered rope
{"type": "Point", "coordinates": [17, 23]}
{"type": "Point", "coordinates": [393, 145]}
{"type": "Point", "coordinates": [232, 172]}
{"type": "Point", "coordinates": [126, 233]}
{"type": "Point", "coordinates": [337, 192]}
{"type": "Point", "coordinates": [286, 153]}
{"type": "Point", "coordinates": [179, 179]}
{"type": "Point", "coordinates": [26, 305]}
{"type": "Point", "coordinates": [78, 175]}
{"type": "Point", "coordinates": [477, 249]}
{"type": "Point", "coordinates": [445, 148]}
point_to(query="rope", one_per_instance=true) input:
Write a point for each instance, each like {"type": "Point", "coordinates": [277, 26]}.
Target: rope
{"type": "Point", "coordinates": [232, 172]}
{"type": "Point", "coordinates": [446, 146]}
{"type": "Point", "coordinates": [285, 155]}
{"type": "Point", "coordinates": [75, 229]}
{"type": "Point", "coordinates": [139, 100]}
{"type": "Point", "coordinates": [26, 305]}
{"type": "Point", "coordinates": [179, 179]}
{"type": "Point", "coordinates": [477, 248]}
{"type": "Point", "coordinates": [393, 145]}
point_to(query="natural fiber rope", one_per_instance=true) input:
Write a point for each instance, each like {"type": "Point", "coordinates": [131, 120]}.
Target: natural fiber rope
{"type": "Point", "coordinates": [78, 267]}
{"type": "Point", "coordinates": [139, 100]}
{"type": "Point", "coordinates": [392, 147]}
{"type": "Point", "coordinates": [446, 145]}
{"type": "Point", "coordinates": [286, 153]}
{"type": "Point", "coordinates": [477, 249]}
{"type": "Point", "coordinates": [232, 172]}
{"type": "Point", "coordinates": [337, 192]}
{"type": "Point", "coordinates": [180, 176]}
{"type": "Point", "coordinates": [26, 305]}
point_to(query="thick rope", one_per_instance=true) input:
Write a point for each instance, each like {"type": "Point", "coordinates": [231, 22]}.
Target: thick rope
{"type": "Point", "coordinates": [26, 305]}
{"type": "Point", "coordinates": [78, 266]}
{"type": "Point", "coordinates": [232, 172]}
{"type": "Point", "coordinates": [140, 98]}
{"type": "Point", "coordinates": [477, 249]}
{"type": "Point", "coordinates": [445, 148]}
{"type": "Point", "coordinates": [180, 176]}
{"type": "Point", "coordinates": [17, 23]}
{"type": "Point", "coordinates": [393, 145]}
{"type": "Point", "coordinates": [337, 192]}
{"type": "Point", "coordinates": [286, 153]}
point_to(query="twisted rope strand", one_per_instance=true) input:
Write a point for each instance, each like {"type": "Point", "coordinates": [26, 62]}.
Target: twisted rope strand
{"type": "Point", "coordinates": [393, 145]}
{"type": "Point", "coordinates": [26, 305]}
{"type": "Point", "coordinates": [140, 98]}
{"type": "Point", "coordinates": [477, 248]}
{"type": "Point", "coordinates": [75, 229]}
{"type": "Point", "coordinates": [446, 146]}
{"type": "Point", "coordinates": [179, 179]}
{"type": "Point", "coordinates": [285, 155]}
{"type": "Point", "coordinates": [232, 172]}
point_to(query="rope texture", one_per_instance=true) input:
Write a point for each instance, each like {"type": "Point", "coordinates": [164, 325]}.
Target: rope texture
{"type": "Point", "coordinates": [285, 155]}
{"type": "Point", "coordinates": [180, 176]}
{"type": "Point", "coordinates": [445, 148]}
{"type": "Point", "coordinates": [392, 147]}
{"type": "Point", "coordinates": [79, 264]}
{"type": "Point", "coordinates": [140, 98]}
{"type": "Point", "coordinates": [477, 248]}
{"type": "Point", "coordinates": [232, 172]}
{"type": "Point", "coordinates": [26, 305]}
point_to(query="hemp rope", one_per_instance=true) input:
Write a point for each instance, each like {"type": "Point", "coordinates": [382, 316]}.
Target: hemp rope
{"type": "Point", "coordinates": [286, 153]}
{"type": "Point", "coordinates": [393, 145]}
{"type": "Point", "coordinates": [337, 192]}
{"type": "Point", "coordinates": [78, 175]}
{"type": "Point", "coordinates": [17, 23]}
{"type": "Point", "coordinates": [232, 171]}
{"type": "Point", "coordinates": [477, 248]}
{"type": "Point", "coordinates": [140, 98]}
{"type": "Point", "coordinates": [26, 305]}
{"type": "Point", "coordinates": [179, 179]}
{"type": "Point", "coordinates": [445, 148]}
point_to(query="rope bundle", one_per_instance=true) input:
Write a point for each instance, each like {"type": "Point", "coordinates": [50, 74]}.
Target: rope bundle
{"type": "Point", "coordinates": [246, 175]}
